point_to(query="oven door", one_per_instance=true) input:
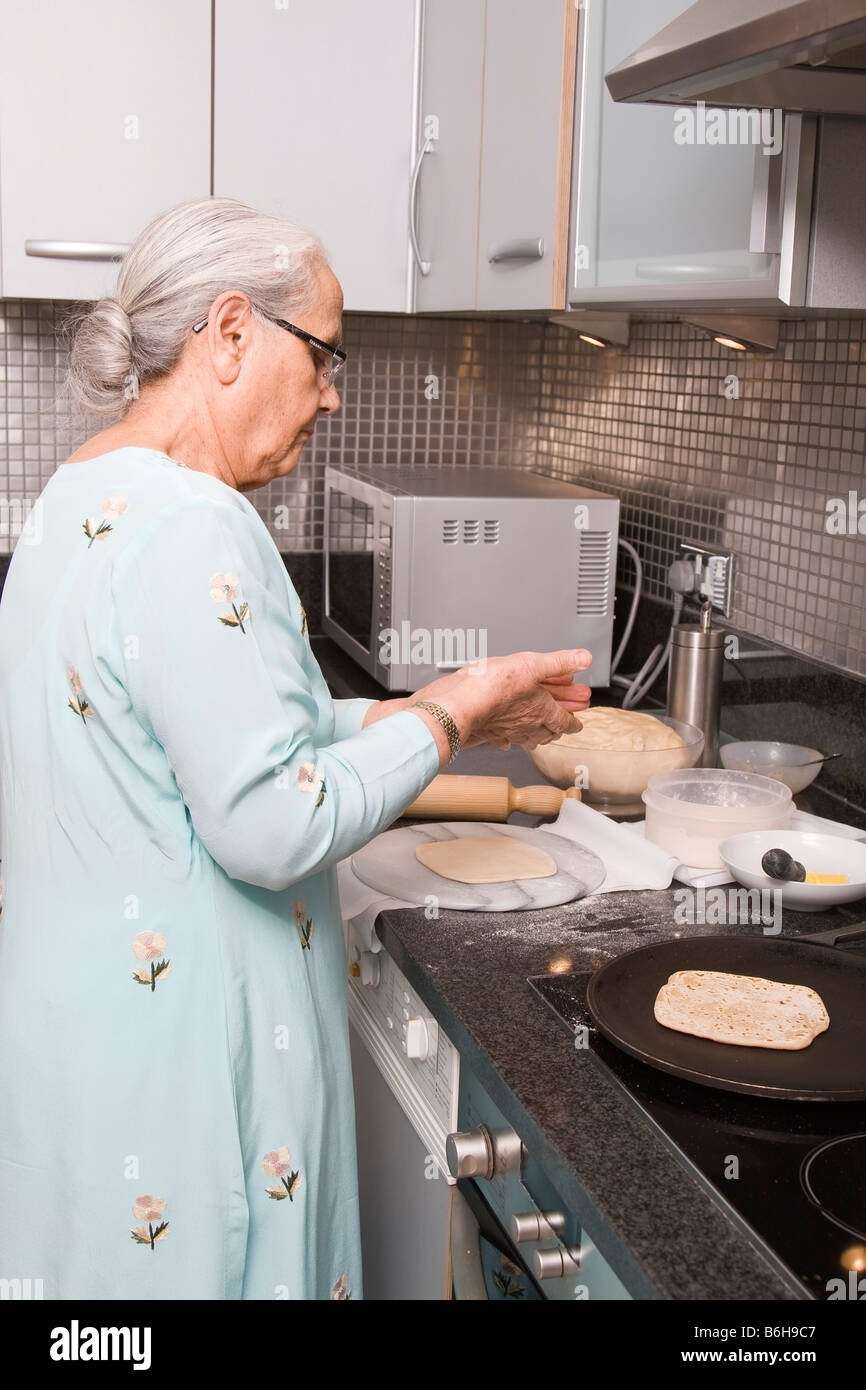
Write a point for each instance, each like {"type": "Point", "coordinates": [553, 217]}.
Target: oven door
{"type": "Point", "coordinates": [485, 1263]}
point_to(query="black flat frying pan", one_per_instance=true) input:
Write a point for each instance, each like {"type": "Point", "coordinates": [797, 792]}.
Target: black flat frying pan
{"type": "Point", "coordinates": [622, 993]}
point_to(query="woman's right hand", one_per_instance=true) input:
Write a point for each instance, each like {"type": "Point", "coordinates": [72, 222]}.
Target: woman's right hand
{"type": "Point", "coordinates": [526, 698]}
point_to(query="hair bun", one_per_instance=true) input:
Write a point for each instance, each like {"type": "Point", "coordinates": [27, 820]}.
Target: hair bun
{"type": "Point", "coordinates": [101, 357]}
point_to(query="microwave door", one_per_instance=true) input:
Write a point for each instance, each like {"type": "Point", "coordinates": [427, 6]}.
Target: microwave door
{"type": "Point", "coordinates": [350, 569]}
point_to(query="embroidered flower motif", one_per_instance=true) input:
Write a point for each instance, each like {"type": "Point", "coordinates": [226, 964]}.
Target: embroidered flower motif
{"type": "Point", "coordinates": [225, 588]}
{"type": "Point", "coordinates": [340, 1291]}
{"type": "Point", "coordinates": [149, 1209]}
{"type": "Point", "coordinates": [113, 507]}
{"type": "Point", "coordinates": [303, 621]}
{"type": "Point", "coordinates": [78, 704]}
{"type": "Point", "coordinates": [309, 780]}
{"type": "Point", "coordinates": [278, 1164]}
{"type": "Point", "coordinates": [149, 946]}
{"type": "Point", "coordinates": [304, 925]}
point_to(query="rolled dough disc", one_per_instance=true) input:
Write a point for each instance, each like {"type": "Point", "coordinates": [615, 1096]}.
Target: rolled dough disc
{"type": "Point", "coordinates": [485, 859]}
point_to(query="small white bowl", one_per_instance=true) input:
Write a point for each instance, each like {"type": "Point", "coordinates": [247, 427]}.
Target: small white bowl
{"type": "Point", "coordinates": [819, 854]}
{"type": "Point", "coordinates": [782, 761]}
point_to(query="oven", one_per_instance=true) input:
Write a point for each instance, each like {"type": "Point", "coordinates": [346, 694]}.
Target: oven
{"type": "Point", "coordinates": [452, 1203]}
{"type": "Point", "coordinates": [512, 1237]}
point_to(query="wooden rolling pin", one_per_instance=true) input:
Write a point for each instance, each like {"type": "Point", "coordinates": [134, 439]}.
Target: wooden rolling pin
{"type": "Point", "coordinates": [451, 796]}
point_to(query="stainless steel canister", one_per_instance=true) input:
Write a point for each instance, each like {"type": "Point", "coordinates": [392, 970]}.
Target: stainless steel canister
{"type": "Point", "coordinates": [695, 682]}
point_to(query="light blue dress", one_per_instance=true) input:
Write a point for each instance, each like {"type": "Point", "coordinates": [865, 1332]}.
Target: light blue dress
{"type": "Point", "coordinates": [176, 1107]}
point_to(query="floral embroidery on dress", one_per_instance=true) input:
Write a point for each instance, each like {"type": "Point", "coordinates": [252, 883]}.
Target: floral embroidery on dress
{"type": "Point", "coordinates": [309, 780]}
{"type": "Point", "coordinates": [225, 588]}
{"type": "Point", "coordinates": [97, 530]}
{"type": "Point", "coordinates": [78, 704]}
{"type": "Point", "coordinates": [304, 924]}
{"type": "Point", "coordinates": [278, 1164]}
{"type": "Point", "coordinates": [149, 1209]}
{"type": "Point", "coordinates": [149, 946]}
{"type": "Point", "coordinates": [340, 1292]}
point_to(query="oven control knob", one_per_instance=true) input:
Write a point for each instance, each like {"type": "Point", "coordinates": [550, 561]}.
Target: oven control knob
{"type": "Point", "coordinates": [533, 1225]}
{"type": "Point", "coordinates": [470, 1155]}
{"type": "Point", "coordinates": [556, 1263]}
{"type": "Point", "coordinates": [370, 969]}
{"type": "Point", "coordinates": [417, 1039]}
{"type": "Point", "coordinates": [484, 1153]}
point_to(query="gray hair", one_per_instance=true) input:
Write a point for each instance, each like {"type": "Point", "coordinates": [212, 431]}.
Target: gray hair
{"type": "Point", "coordinates": [168, 280]}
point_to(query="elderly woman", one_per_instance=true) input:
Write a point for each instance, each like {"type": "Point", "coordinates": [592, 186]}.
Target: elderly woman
{"type": "Point", "coordinates": [176, 1109]}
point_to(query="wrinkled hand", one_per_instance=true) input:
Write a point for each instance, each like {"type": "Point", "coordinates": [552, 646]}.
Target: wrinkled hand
{"type": "Point", "coordinates": [526, 698]}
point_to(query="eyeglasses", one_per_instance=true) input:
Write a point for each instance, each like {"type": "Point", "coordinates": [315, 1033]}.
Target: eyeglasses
{"type": "Point", "coordinates": [334, 357]}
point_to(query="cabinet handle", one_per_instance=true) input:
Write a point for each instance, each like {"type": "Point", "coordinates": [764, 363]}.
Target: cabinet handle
{"type": "Point", "coordinates": [765, 232]}
{"type": "Point", "coordinates": [521, 249]}
{"type": "Point", "coordinates": [423, 266]}
{"type": "Point", "coordinates": [77, 250]}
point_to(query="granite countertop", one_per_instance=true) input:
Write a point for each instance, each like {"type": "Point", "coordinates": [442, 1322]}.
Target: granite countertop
{"type": "Point", "coordinates": [664, 1230]}
{"type": "Point", "coordinates": [665, 1234]}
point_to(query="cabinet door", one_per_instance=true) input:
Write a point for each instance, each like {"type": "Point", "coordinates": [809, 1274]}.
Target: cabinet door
{"type": "Point", "coordinates": [104, 123]}
{"type": "Point", "coordinates": [526, 154]}
{"type": "Point", "coordinates": [313, 120]}
{"type": "Point", "coordinates": [669, 204]}
{"type": "Point", "coordinates": [447, 198]}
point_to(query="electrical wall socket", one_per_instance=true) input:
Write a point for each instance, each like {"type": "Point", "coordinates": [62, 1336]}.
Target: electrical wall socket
{"type": "Point", "coordinates": [714, 576]}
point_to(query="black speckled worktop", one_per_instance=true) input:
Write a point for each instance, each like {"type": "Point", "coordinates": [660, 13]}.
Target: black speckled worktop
{"type": "Point", "coordinates": [665, 1231]}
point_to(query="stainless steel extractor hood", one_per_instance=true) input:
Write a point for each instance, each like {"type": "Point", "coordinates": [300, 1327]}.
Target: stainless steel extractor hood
{"type": "Point", "coordinates": [800, 55]}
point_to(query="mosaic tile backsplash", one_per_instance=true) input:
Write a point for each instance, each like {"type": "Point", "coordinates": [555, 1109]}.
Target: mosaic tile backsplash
{"type": "Point", "coordinates": [750, 453]}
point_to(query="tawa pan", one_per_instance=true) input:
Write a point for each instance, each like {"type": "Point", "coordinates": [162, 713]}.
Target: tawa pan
{"type": "Point", "coordinates": [833, 1068]}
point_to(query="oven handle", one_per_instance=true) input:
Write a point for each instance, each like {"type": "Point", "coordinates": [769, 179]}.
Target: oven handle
{"type": "Point", "coordinates": [467, 1274]}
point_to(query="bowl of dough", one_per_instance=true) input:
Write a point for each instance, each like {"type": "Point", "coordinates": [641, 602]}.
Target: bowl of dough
{"type": "Point", "coordinates": [613, 756]}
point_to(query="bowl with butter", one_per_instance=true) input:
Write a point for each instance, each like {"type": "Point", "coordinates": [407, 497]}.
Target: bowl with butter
{"type": "Point", "coordinates": [810, 870]}
{"type": "Point", "coordinates": [613, 756]}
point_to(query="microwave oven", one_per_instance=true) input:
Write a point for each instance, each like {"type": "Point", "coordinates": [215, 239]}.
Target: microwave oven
{"type": "Point", "coordinates": [426, 570]}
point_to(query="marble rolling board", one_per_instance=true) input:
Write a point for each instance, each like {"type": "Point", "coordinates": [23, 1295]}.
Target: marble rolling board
{"type": "Point", "coordinates": [389, 864]}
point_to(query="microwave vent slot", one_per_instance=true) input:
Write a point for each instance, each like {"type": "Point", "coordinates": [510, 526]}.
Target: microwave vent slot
{"type": "Point", "coordinates": [593, 574]}
{"type": "Point", "coordinates": [450, 532]}
{"type": "Point", "coordinates": [471, 532]}
{"type": "Point", "coordinates": [491, 532]}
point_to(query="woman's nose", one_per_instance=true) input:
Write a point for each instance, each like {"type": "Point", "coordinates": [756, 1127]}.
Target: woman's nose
{"type": "Point", "coordinates": [330, 400]}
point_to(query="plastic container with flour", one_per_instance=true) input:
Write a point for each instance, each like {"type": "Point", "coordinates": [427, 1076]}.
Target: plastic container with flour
{"type": "Point", "coordinates": [690, 812]}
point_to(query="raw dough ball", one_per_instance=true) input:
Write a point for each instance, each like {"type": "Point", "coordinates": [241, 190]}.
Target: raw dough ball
{"type": "Point", "coordinates": [485, 859]}
{"type": "Point", "coordinates": [621, 730]}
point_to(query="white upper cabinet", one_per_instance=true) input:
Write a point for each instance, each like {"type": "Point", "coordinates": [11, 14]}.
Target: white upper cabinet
{"type": "Point", "coordinates": [445, 191]}
{"type": "Point", "coordinates": [677, 204]}
{"type": "Point", "coordinates": [315, 119]}
{"type": "Point", "coordinates": [526, 149]}
{"type": "Point", "coordinates": [491, 194]}
{"type": "Point", "coordinates": [104, 123]}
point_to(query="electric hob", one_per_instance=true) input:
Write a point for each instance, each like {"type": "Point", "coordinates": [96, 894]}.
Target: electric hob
{"type": "Point", "coordinates": [793, 1172]}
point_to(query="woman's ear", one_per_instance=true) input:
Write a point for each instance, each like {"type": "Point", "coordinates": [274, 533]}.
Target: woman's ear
{"type": "Point", "coordinates": [228, 334]}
